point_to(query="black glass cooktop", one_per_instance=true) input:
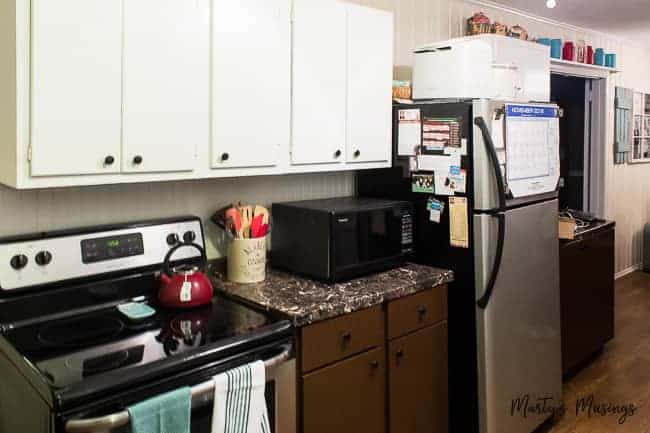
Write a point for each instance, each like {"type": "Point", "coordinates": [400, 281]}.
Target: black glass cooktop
{"type": "Point", "coordinates": [92, 343]}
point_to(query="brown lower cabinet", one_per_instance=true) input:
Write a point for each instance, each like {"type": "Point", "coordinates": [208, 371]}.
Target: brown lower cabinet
{"type": "Point", "coordinates": [347, 397]}
{"type": "Point", "coordinates": [380, 370]}
{"type": "Point", "coordinates": [417, 382]}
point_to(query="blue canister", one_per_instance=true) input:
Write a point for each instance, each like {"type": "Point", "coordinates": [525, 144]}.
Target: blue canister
{"type": "Point", "coordinates": [610, 60]}
{"type": "Point", "coordinates": [599, 57]}
{"type": "Point", "coordinates": [556, 48]}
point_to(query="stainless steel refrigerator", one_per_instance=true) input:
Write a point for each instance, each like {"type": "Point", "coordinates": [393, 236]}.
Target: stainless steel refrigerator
{"type": "Point", "coordinates": [504, 308]}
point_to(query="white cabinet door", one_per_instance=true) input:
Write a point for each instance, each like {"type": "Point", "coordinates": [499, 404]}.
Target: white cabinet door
{"type": "Point", "coordinates": [251, 82]}
{"type": "Point", "coordinates": [319, 82]}
{"type": "Point", "coordinates": [76, 64]}
{"type": "Point", "coordinates": [370, 78]}
{"type": "Point", "coordinates": [166, 84]}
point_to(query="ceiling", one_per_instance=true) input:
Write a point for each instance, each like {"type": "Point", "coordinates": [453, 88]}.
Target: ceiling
{"type": "Point", "coordinates": [629, 19]}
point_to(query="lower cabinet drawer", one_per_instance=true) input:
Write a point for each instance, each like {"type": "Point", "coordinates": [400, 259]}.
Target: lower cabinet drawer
{"type": "Point", "coordinates": [418, 382]}
{"type": "Point", "coordinates": [347, 397]}
{"type": "Point", "coordinates": [417, 311]}
{"type": "Point", "coordinates": [330, 341]}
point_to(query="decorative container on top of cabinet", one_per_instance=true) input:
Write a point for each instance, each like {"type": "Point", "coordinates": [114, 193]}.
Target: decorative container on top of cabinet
{"type": "Point", "coordinates": [99, 92]}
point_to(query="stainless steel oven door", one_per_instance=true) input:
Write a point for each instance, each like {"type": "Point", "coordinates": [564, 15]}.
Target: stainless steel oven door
{"type": "Point", "coordinates": [280, 394]}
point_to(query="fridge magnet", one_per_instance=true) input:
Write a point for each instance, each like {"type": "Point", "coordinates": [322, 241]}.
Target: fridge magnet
{"type": "Point", "coordinates": [442, 183]}
{"type": "Point", "coordinates": [458, 226]}
{"type": "Point", "coordinates": [422, 183]}
{"type": "Point", "coordinates": [439, 134]}
{"type": "Point", "coordinates": [458, 179]}
{"type": "Point", "coordinates": [436, 207]}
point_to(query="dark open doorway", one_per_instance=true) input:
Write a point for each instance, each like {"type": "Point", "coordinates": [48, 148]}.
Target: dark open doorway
{"type": "Point", "coordinates": [570, 94]}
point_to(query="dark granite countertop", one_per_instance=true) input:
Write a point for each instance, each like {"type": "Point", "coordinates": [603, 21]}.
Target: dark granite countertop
{"type": "Point", "coordinates": [305, 301]}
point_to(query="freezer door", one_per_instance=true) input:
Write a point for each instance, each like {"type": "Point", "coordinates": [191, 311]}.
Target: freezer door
{"type": "Point", "coordinates": [516, 161]}
{"type": "Point", "coordinates": [518, 333]}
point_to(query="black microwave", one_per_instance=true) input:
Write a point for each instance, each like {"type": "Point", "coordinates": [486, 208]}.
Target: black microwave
{"type": "Point", "coordinates": [341, 238]}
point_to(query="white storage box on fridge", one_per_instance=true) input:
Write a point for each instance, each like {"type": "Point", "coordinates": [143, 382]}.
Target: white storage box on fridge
{"type": "Point", "coordinates": [484, 66]}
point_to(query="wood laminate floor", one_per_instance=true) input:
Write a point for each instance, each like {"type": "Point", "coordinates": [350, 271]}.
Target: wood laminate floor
{"type": "Point", "coordinates": [621, 374]}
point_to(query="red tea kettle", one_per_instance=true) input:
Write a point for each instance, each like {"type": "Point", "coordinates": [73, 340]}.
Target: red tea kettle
{"type": "Point", "coordinates": [185, 286]}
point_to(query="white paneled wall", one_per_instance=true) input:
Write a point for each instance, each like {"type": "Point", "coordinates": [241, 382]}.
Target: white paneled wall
{"type": "Point", "coordinates": [39, 210]}
{"type": "Point", "coordinates": [417, 22]}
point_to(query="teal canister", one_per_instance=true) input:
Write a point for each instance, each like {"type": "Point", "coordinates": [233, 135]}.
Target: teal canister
{"type": "Point", "coordinates": [599, 57]}
{"type": "Point", "coordinates": [610, 60]}
{"type": "Point", "coordinates": [556, 48]}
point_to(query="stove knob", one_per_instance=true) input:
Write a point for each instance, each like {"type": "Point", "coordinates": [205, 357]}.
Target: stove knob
{"type": "Point", "coordinates": [19, 261]}
{"type": "Point", "coordinates": [189, 237]}
{"type": "Point", "coordinates": [172, 239]}
{"type": "Point", "coordinates": [43, 258]}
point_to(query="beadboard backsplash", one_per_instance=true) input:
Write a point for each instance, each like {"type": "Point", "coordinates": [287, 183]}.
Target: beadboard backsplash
{"type": "Point", "coordinates": [41, 210]}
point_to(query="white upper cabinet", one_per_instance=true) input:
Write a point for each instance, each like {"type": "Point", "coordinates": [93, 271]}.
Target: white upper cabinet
{"type": "Point", "coordinates": [166, 84]}
{"type": "Point", "coordinates": [110, 91]}
{"type": "Point", "coordinates": [319, 82]}
{"type": "Point", "coordinates": [75, 86]}
{"type": "Point", "coordinates": [251, 82]}
{"type": "Point", "coordinates": [370, 75]}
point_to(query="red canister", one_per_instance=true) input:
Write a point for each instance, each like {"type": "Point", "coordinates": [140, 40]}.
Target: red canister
{"type": "Point", "coordinates": [589, 58]}
{"type": "Point", "coordinates": [569, 51]}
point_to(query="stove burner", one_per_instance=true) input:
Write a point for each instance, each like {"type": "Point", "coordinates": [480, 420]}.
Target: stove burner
{"type": "Point", "coordinates": [80, 332]}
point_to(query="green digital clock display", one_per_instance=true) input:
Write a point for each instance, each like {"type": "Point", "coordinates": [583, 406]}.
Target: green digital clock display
{"type": "Point", "coordinates": [113, 243]}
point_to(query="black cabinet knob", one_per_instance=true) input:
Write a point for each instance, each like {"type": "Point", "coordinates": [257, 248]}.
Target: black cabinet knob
{"type": "Point", "coordinates": [172, 239]}
{"type": "Point", "coordinates": [189, 237]}
{"type": "Point", "coordinates": [137, 160]}
{"type": "Point", "coordinates": [357, 153]}
{"type": "Point", "coordinates": [374, 364]}
{"type": "Point", "coordinates": [19, 261]}
{"type": "Point", "coordinates": [347, 336]}
{"type": "Point", "coordinates": [399, 354]}
{"type": "Point", "coordinates": [422, 310]}
{"type": "Point", "coordinates": [337, 153]}
{"type": "Point", "coordinates": [225, 156]}
{"type": "Point", "coordinates": [43, 258]}
{"type": "Point", "coordinates": [109, 160]}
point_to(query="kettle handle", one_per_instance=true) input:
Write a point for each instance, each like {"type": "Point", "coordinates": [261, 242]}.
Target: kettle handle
{"type": "Point", "coordinates": [166, 263]}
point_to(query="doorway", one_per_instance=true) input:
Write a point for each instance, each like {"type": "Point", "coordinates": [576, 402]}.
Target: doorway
{"type": "Point", "coordinates": [581, 185]}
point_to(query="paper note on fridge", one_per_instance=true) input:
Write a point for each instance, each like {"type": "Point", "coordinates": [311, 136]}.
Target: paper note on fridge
{"type": "Point", "coordinates": [409, 132]}
{"type": "Point", "coordinates": [458, 225]}
{"type": "Point", "coordinates": [532, 148]}
{"type": "Point", "coordinates": [441, 163]}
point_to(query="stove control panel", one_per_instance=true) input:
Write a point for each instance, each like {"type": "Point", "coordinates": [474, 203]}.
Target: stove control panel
{"type": "Point", "coordinates": [29, 261]}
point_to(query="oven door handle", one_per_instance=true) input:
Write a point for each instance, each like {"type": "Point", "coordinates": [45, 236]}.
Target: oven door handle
{"type": "Point", "coordinates": [202, 392]}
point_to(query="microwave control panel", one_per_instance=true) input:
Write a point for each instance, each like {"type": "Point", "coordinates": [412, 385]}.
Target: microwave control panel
{"type": "Point", "coordinates": [407, 232]}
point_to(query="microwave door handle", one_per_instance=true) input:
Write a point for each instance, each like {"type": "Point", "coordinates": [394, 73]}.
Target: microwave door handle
{"type": "Point", "coordinates": [497, 213]}
{"type": "Point", "coordinates": [202, 392]}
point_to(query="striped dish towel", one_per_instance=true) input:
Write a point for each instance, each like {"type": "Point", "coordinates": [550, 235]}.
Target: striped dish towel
{"type": "Point", "coordinates": [239, 404]}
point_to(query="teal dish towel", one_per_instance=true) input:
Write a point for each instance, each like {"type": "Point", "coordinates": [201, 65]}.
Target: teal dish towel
{"type": "Point", "coordinates": [166, 413]}
{"type": "Point", "coordinates": [239, 404]}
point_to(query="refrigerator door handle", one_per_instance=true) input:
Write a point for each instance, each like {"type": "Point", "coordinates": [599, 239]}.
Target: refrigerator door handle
{"type": "Point", "coordinates": [496, 213]}
{"type": "Point", "coordinates": [494, 273]}
{"type": "Point", "coordinates": [494, 159]}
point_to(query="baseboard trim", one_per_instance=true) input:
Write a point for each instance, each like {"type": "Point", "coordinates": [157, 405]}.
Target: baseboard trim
{"type": "Point", "coordinates": [627, 271]}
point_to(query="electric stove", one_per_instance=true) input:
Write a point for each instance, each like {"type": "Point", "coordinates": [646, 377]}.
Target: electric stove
{"type": "Point", "coordinates": [65, 345]}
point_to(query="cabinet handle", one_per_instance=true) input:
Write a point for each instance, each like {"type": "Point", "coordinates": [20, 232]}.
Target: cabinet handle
{"type": "Point", "coordinates": [422, 311]}
{"type": "Point", "coordinates": [137, 160]}
{"type": "Point", "coordinates": [337, 154]}
{"type": "Point", "coordinates": [347, 336]}
{"type": "Point", "coordinates": [374, 364]}
{"type": "Point", "coordinates": [357, 153]}
{"type": "Point", "coordinates": [399, 354]}
{"type": "Point", "coordinates": [225, 156]}
{"type": "Point", "coordinates": [109, 160]}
